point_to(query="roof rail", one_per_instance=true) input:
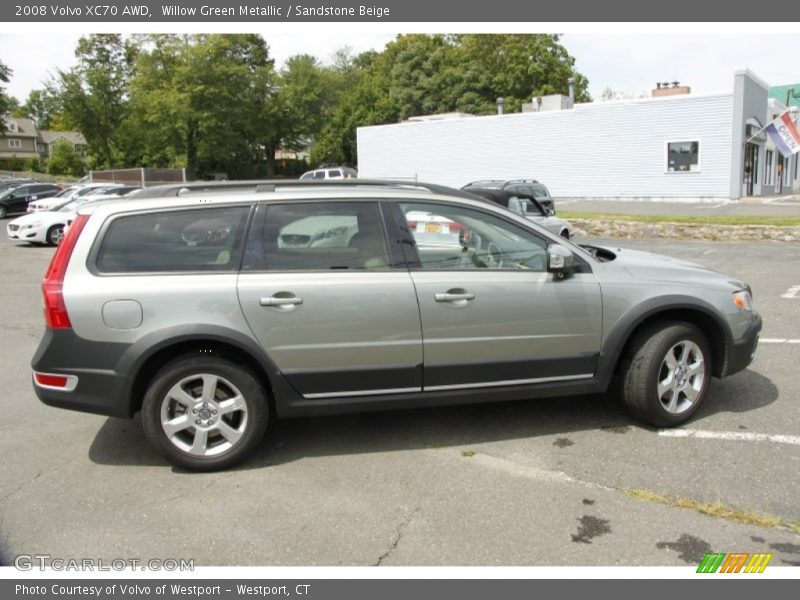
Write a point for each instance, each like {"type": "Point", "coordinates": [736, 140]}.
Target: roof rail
{"type": "Point", "coordinates": [271, 185]}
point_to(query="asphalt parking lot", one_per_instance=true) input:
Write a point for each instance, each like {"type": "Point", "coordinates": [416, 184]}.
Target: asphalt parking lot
{"type": "Point", "coordinates": [570, 481]}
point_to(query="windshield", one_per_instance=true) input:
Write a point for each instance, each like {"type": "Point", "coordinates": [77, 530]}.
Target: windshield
{"type": "Point", "coordinates": [67, 206]}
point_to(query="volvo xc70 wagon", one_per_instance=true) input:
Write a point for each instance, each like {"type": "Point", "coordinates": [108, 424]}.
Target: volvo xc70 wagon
{"type": "Point", "coordinates": [209, 308]}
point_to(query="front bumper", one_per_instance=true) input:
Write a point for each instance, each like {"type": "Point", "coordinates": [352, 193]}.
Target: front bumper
{"type": "Point", "coordinates": [35, 234]}
{"type": "Point", "coordinates": [741, 352]}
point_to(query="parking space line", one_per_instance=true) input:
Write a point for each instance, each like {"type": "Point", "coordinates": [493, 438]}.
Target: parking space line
{"type": "Point", "coordinates": [737, 436]}
{"type": "Point", "coordinates": [778, 341]}
{"type": "Point", "coordinates": [792, 292]}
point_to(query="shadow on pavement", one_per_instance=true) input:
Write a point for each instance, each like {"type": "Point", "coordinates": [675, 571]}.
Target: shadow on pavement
{"type": "Point", "coordinates": [122, 442]}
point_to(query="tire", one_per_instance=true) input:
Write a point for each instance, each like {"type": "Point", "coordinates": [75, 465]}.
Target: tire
{"type": "Point", "coordinates": [3, 212]}
{"type": "Point", "coordinates": [565, 234]}
{"type": "Point", "coordinates": [54, 235]}
{"type": "Point", "coordinates": [666, 373]}
{"type": "Point", "coordinates": [229, 430]}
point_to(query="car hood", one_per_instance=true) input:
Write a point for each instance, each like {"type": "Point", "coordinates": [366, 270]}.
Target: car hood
{"type": "Point", "coordinates": [659, 267]}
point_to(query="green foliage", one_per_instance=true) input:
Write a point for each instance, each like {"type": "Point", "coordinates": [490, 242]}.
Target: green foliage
{"type": "Point", "coordinates": [44, 107]}
{"type": "Point", "coordinates": [6, 101]}
{"type": "Point", "coordinates": [215, 103]}
{"type": "Point", "coordinates": [64, 160]}
{"type": "Point", "coordinates": [12, 164]}
{"type": "Point", "coordinates": [33, 164]}
{"type": "Point", "coordinates": [93, 94]}
{"type": "Point", "coordinates": [428, 74]}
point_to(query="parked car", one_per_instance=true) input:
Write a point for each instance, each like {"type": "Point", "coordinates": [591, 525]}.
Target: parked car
{"type": "Point", "coordinates": [530, 187]}
{"type": "Point", "coordinates": [330, 173]}
{"type": "Point", "coordinates": [49, 226]}
{"type": "Point", "coordinates": [75, 191]}
{"type": "Point", "coordinates": [13, 182]}
{"type": "Point", "coordinates": [207, 340]}
{"type": "Point", "coordinates": [527, 206]}
{"type": "Point", "coordinates": [17, 199]}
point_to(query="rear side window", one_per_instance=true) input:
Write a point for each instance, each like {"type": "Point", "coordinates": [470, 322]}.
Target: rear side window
{"type": "Point", "coordinates": [207, 239]}
{"type": "Point", "coordinates": [539, 191]}
{"type": "Point", "coordinates": [320, 236]}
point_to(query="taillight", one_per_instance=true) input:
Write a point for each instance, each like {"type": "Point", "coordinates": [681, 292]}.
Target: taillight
{"type": "Point", "coordinates": [55, 311]}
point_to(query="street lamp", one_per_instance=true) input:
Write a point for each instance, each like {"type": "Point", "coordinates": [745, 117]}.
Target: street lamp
{"type": "Point", "coordinates": [791, 93]}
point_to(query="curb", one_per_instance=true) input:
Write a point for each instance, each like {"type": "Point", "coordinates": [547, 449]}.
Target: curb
{"type": "Point", "coordinates": [637, 230]}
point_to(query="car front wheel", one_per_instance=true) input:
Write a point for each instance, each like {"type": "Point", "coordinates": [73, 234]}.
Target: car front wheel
{"type": "Point", "coordinates": [666, 373]}
{"type": "Point", "coordinates": [55, 234]}
{"type": "Point", "coordinates": [205, 414]}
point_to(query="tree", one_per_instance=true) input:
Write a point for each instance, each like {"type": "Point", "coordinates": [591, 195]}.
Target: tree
{"type": "Point", "coordinates": [301, 102]}
{"type": "Point", "coordinates": [44, 107]}
{"type": "Point", "coordinates": [64, 160]}
{"type": "Point", "coordinates": [195, 101]}
{"type": "Point", "coordinates": [94, 93]}
{"type": "Point", "coordinates": [6, 101]}
{"type": "Point", "coordinates": [427, 74]}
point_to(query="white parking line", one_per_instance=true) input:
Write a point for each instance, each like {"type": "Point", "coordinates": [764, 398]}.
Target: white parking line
{"type": "Point", "coordinates": [778, 341]}
{"type": "Point", "coordinates": [792, 292]}
{"type": "Point", "coordinates": [736, 436]}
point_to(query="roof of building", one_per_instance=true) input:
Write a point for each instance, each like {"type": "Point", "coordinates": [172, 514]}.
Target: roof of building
{"type": "Point", "coordinates": [25, 127]}
{"type": "Point", "coordinates": [74, 137]}
{"type": "Point", "coordinates": [779, 93]}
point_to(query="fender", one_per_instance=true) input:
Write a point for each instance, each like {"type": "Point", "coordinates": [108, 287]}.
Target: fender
{"type": "Point", "coordinates": [138, 353]}
{"type": "Point", "coordinates": [618, 336]}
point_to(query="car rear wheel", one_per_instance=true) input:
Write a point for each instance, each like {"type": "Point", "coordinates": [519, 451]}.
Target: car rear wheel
{"type": "Point", "coordinates": [3, 212]}
{"type": "Point", "coordinates": [666, 373]}
{"type": "Point", "coordinates": [55, 234]}
{"type": "Point", "coordinates": [565, 234]}
{"type": "Point", "coordinates": [205, 414]}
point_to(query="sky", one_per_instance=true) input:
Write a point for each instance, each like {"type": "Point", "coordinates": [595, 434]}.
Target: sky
{"type": "Point", "coordinates": [627, 63]}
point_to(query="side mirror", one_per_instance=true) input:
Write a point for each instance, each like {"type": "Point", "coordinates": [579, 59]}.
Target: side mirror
{"type": "Point", "coordinates": [560, 261]}
{"type": "Point", "coordinates": [550, 212]}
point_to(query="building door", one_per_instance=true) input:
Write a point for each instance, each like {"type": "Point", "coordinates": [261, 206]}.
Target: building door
{"type": "Point", "coordinates": [750, 168]}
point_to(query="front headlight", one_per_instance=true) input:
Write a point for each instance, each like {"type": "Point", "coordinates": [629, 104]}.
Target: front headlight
{"type": "Point", "coordinates": [743, 300]}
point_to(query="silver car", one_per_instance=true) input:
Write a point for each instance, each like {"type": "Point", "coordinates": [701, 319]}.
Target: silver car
{"type": "Point", "coordinates": [527, 206]}
{"type": "Point", "coordinates": [209, 308]}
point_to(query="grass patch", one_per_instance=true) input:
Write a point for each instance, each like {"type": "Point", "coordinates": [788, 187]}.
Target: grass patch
{"type": "Point", "coordinates": [685, 219]}
{"type": "Point", "coordinates": [468, 453]}
{"type": "Point", "coordinates": [713, 509]}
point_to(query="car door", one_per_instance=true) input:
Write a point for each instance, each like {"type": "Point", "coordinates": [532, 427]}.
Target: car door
{"type": "Point", "coordinates": [331, 305]}
{"type": "Point", "coordinates": [20, 199]}
{"type": "Point", "coordinates": [491, 314]}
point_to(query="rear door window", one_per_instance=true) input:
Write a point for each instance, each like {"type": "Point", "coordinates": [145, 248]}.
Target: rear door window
{"type": "Point", "coordinates": [320, 236]}
{"type": "Point", "coordinates": [207, 239]}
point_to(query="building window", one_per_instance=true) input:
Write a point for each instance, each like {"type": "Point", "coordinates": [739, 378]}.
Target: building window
{"type": "Point", "coordinates": [13, 127]}
{"type": "Point", "coordinates": [14, 143]}
{"type": "Point", "coordinates": [769, 168]}
{"type": "Point", "coordinates": [683, 156]}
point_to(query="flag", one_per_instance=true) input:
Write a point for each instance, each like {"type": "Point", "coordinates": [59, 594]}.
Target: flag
{"type": "Point", "coordinates": [784, 134]}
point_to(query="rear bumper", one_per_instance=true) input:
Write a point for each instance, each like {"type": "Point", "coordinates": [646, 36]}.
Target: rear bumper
{"type": "Point", "coordinates": [742, 352]}
{"type": "Point", "coordinates": [100, 388]}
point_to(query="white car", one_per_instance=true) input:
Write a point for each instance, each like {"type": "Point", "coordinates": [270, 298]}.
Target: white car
{"type": "Point", "coordinates": [49, 226]}
{"type": "Point", "coordinates": [43, 227]}
{"type": "Point", "coordinates": [327, 173]}
{"type": "Point", "coordinates": [69, 194]}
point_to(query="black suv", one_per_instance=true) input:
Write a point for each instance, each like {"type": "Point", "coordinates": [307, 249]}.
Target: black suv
{"type": "Point", "coordinates": [16, 199]}
{"type": "Point", "coordinates": [529, 187]}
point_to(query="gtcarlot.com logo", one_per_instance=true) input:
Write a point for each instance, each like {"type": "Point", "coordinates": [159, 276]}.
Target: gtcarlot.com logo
{"type": "Point", "coordinates": [737, 562]}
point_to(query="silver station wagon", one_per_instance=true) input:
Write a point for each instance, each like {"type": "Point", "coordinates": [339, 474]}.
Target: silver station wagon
{"type": "Point", "coordinates": [207, 308]}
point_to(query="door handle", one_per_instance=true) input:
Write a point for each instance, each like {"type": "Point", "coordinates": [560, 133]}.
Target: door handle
{"type": "Point", "coordinates": [461, 297]}
{"type": "Point", "coordinates": [281, 301]}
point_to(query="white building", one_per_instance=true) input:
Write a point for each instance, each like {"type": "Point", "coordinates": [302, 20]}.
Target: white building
{"type": "Point", "coordinates": [671, 146]}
